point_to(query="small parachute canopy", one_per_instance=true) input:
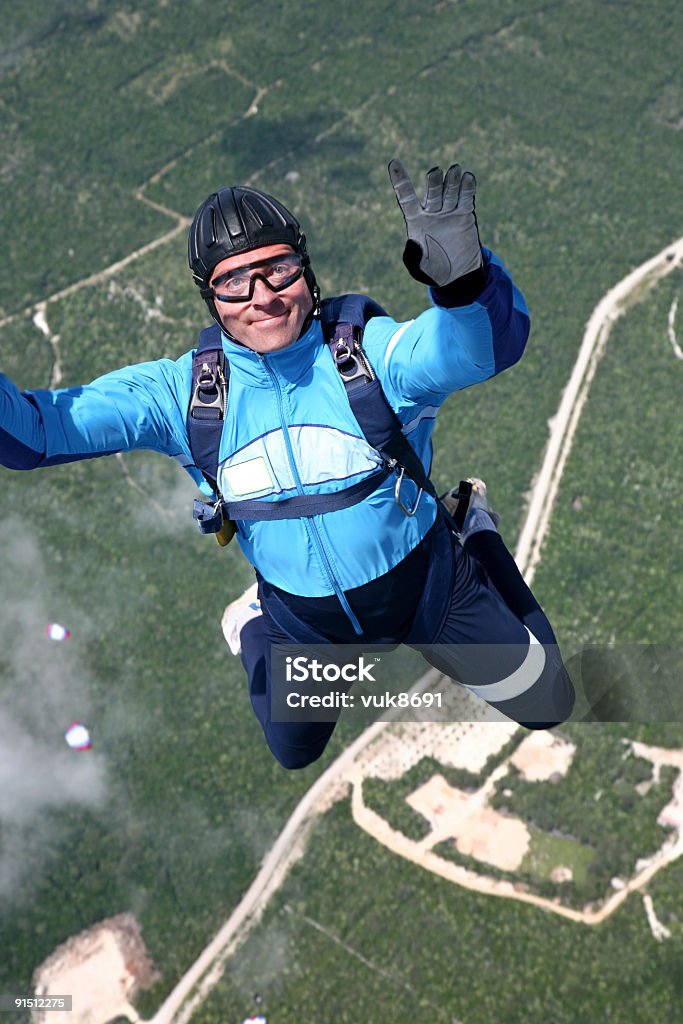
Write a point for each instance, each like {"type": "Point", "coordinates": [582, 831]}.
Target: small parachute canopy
{"type": "Point", "coordinates": [78, 737]}
{"type": "Point", "coordinates": [56, 632]}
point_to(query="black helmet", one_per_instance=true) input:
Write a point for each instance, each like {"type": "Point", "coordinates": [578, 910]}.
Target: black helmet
{"type": "Point", "coordinates": [237, 219]}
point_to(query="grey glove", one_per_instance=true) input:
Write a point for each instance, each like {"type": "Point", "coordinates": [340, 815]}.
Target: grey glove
{"type": "Point", "coordinates": [443, 239]}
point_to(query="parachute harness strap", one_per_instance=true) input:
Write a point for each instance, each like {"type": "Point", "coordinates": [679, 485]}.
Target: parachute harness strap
{"type": "Point", "coordinates": [205, 418]}
{"type": "Point", "coordinates": [462, 496]}
{"type": "Point", "coordinates": [209, 398]}
{"type": "Point", "coordinates": [349, 357]}
{"type": "Point", "coordinates": [352, 365]}
{"type": "Point", "coordinates": [359, 379]}
{"type": "Point", "coordinates": [207, 409]}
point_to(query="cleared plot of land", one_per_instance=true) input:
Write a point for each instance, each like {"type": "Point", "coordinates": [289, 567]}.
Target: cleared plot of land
{"type": "Point", "coordinates": [466, 744]}
{"type": "Point", "coordinates": [477, 831]}
{"type": "Point", "coordinates": [542, 755]}
{"type": "Point", "coordinates": [101, 969]}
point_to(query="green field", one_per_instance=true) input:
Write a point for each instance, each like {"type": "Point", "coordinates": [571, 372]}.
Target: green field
{"type": "Point", "coordinates": [570, 115]}
{"type": "Point", "coordinates": [546, 852]}
{"type": "Point", "coordinates": [612, 561]}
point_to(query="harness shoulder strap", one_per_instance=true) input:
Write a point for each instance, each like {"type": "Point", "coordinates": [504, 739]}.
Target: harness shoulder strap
{"type": "Point", "coordinates": [351, 309]}
{"type": "Point", "coordinates": [206, 412]}
{"type": "Point", "coordinates": [343, 320]}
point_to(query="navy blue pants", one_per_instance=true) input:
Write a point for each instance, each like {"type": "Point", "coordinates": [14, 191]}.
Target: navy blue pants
{"type": "Point", "coordinates": [467, 610]}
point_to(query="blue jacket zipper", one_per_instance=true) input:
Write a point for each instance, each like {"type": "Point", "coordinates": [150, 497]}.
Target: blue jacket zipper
{"type": "Point", "coordinates": [311, 526]}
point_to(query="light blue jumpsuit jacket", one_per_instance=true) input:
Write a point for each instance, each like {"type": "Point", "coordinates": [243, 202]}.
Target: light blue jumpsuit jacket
{"type": "Point", "coordinates": [289, 430]}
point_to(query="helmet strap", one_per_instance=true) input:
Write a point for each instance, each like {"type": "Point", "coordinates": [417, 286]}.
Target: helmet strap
{"type": "Point", "coordinates": [309, 278]}
{"type": "Point", "coordinates": [213, 311]}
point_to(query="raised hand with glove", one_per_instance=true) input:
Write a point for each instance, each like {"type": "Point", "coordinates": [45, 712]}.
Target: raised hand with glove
{"type": "Point", "coordinates": [443, 248]}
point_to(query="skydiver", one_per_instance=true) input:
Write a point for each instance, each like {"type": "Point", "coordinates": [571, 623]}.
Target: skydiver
{"type": "Point", "coordinates": [349, 542]}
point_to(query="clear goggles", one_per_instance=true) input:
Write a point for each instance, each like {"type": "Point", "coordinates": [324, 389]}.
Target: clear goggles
{"type": "Point", "coordinates": [278, 272]}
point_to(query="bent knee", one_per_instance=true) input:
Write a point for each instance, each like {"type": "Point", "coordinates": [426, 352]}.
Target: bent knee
{"type": "Point", "coordinates": [553, 707]}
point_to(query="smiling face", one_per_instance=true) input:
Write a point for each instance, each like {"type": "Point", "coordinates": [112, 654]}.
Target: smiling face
{"type": "Point", "coordinates": [269, 320]}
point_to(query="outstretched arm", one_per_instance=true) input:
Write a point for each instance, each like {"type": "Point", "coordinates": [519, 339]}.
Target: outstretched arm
{"type": "Point", "coordinates": [136, 407]}
{"type": "Point", "coordinates": [22, 436]}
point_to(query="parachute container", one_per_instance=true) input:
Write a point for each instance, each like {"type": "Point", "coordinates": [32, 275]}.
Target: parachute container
{"type": "Point", "coordinates": [78, 737]}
